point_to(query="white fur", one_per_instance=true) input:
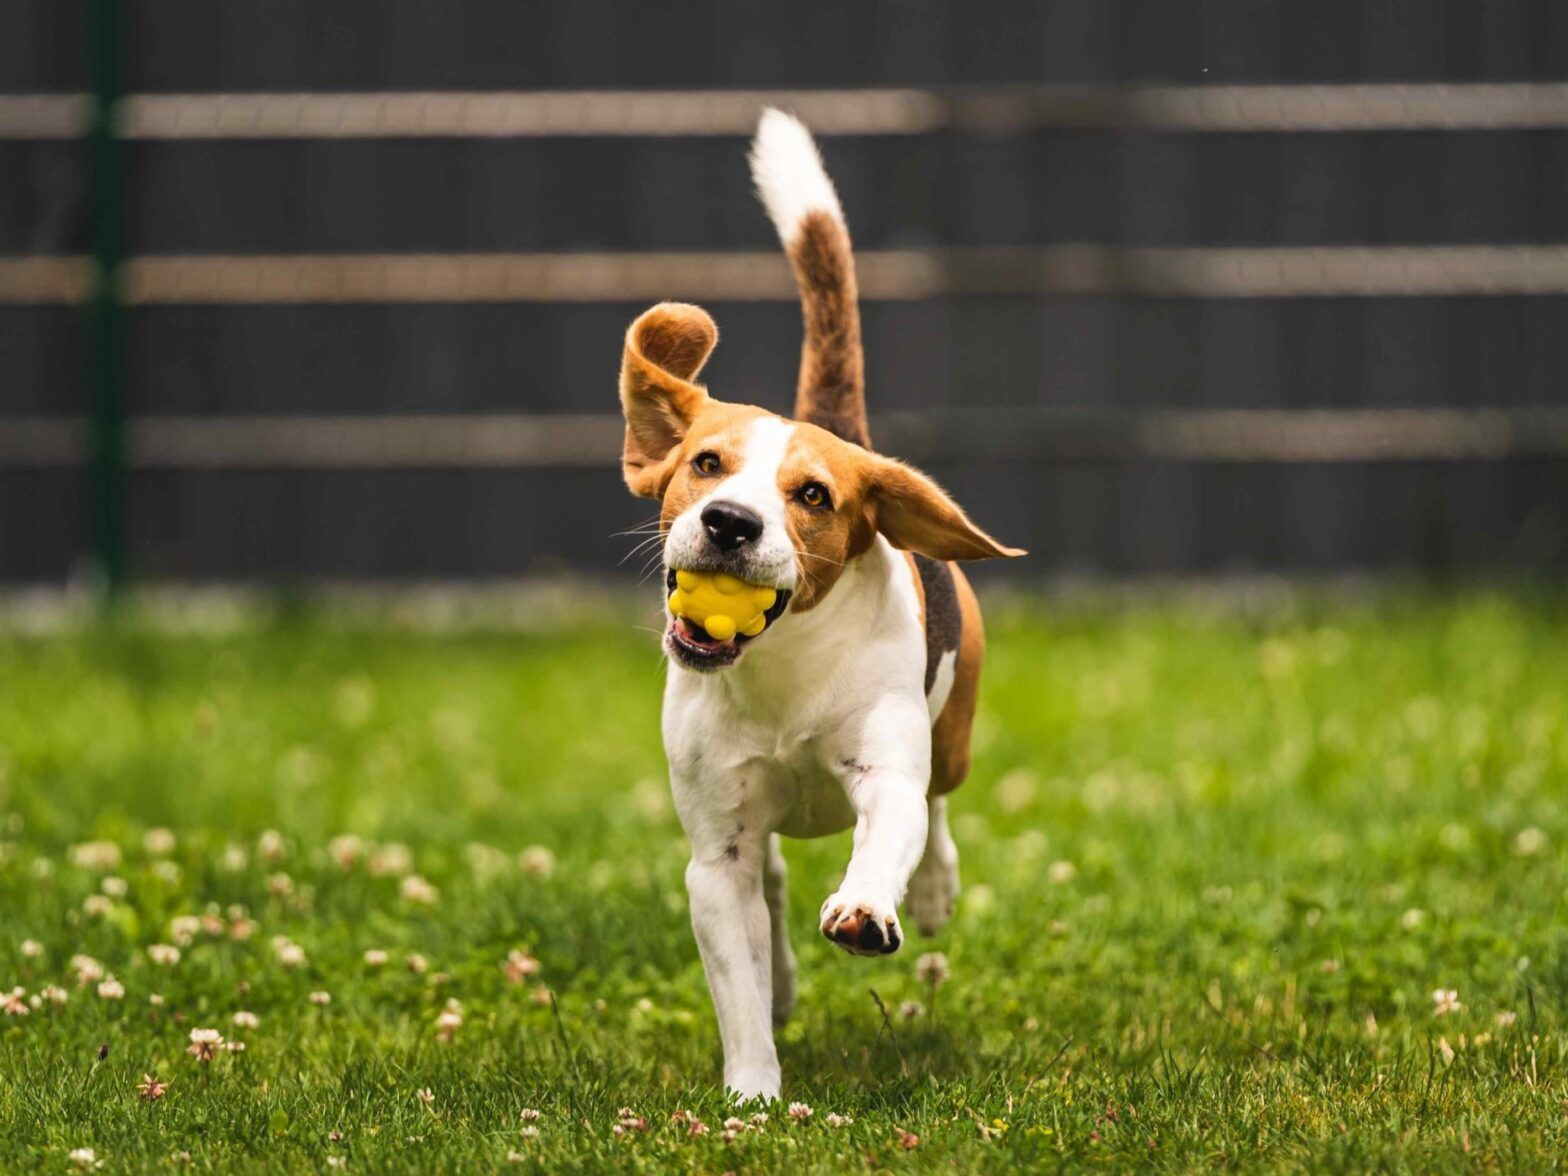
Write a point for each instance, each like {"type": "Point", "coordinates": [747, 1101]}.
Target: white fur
{"type": "Point", "coordinates": [942, 682]}
{"type": "Point", "coordinates": [789, 175]}
{"type": "Point", "coordinates": [808, 734]}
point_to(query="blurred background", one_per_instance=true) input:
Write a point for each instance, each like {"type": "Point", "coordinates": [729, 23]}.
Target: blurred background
{"type": "Point", "coordinates": [294, 292]}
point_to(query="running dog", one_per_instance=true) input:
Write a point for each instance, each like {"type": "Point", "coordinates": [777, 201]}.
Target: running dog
{"type": "Point", "coordinates": [852, 707]}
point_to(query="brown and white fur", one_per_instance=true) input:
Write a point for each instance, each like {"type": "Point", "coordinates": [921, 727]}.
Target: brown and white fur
{"type": "Point", "coordinates": [854, 707]}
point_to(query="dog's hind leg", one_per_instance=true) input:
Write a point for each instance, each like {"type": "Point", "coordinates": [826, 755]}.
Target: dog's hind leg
{"type": "Point", "coordinates": [774, 879]}
{"type": "Point", "coordinates": [933, 887]}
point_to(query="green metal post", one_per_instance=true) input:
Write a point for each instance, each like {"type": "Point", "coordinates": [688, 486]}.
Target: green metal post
{"type": "Point", "coordinates": [106, 315]}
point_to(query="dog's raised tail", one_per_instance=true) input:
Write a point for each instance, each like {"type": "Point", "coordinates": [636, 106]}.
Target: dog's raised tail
{"type": "Point", "coordinates": [805, 210]}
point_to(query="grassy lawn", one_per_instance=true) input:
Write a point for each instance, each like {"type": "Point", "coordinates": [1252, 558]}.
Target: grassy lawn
{"type": "Point", "coordinates": [1215, 868]}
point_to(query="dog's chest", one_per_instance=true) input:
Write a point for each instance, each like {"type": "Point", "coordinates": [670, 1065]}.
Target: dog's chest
{"type": "Point", "coordinates": [732, 773]}
{"type": "Point", "coordinates": [806, 797]}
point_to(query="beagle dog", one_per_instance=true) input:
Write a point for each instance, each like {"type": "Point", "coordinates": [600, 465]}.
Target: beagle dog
{"type": "Point", "coordinates": [852, 707]}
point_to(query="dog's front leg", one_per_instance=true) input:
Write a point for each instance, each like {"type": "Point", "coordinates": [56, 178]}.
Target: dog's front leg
{"type": "Point", "coordinates": [730, 916]}
{"type": "Point", "coordinates": [886, 776]}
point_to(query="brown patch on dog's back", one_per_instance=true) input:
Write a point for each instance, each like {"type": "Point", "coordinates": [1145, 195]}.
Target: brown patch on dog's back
{"type": "Point", "coordinates": [951, 732]}
{"type": "Point", "coordinates": [943, 619]}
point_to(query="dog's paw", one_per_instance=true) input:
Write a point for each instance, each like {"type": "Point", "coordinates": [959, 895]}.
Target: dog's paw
{"type": "Point", "coordinates": [761, 1084]}
{"type": "Point", "coordinates": [861, 927]}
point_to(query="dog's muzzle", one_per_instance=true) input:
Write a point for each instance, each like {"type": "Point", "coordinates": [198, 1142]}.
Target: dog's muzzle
{"type": "Point", "coordinates": [695, 648]}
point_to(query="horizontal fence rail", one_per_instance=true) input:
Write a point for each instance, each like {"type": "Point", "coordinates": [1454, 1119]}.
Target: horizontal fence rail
{"type": "Point", "coordinates": [670, 113]}
{"type": "Point", "coordinates": [893, 275]}
{"type": "Point", "coordinates": [518, 440]}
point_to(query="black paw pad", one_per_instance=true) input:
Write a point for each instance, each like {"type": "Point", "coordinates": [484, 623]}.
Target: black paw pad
{"type": "Point", "coordinates": [871, 937]}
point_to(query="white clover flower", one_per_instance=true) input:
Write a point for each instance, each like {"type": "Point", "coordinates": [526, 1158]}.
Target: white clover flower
{"type": "Point", "coordinates": [537, 861]}
{"type": "Point", "coordinates": [97, 905]}
{"type": "Point", "coordinates": [183, 929]}
{"type": "Point", "coordinates": [1445, 1001]}
{"type": "Point", "coordinates": [1529, 842]}
{"type": "Point", "coordinates": [270, 845]}
{"type": "Point", "coordinates": [346, 851]}
{"type": "Point", "coordinates": [165, 954]}
{"type": "Point", "coordinates": [931, 968]}
{"type": "Point", "coordinates": [205, 1044]}
{"type": "Point", "coordinates": [519, 966]}
{"type": "Point", "coordinates": [391, 859]}
{"type": "Point", "coordinates": [114, 886]}
{"type": "Point", "coordinates": [800, 1112]}
{"type": "Point", "coordinates": [375, 957]}
{"type": "Point", "coordinates": [95, 855]}
{"type": "Point", "coordinates": [32, 949]}
{"type": "Point", "coordinates": [158, 842]}
{"type": "Point", "coordinates": [320, 998]}
{"type": "Point", "coordinates": [87, 969]}
{"type": "Point", "coordinates": [415, 888]}
{"type": "Point", "coordinates": [111, 989]}
{"type": "Point", "coordinates": [84, 1157]}
{"type": "Point", "coordinates": [244, 1019]}
{"type": "Point", "coordinates": [234, 858]}
{"type": "Point", "coordinates": [837, 1120]}
{"type": "Point", "coordinates": [1059, 872]}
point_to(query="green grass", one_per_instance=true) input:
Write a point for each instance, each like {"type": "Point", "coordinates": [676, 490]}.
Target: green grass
{"type": "Point", "coordinates": [1215, 866]}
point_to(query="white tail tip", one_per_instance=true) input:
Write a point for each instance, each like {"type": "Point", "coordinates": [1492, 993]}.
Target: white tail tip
{"type": "Point", "coordinates": [789, 175]}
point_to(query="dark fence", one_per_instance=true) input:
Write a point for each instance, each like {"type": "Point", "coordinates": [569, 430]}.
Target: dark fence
{"type": "Point", "coordinates": [1172, 286]}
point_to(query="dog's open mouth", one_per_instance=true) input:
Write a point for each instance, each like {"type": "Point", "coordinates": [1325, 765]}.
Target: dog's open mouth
{"type": "Point", "coordinates": [697, 649]}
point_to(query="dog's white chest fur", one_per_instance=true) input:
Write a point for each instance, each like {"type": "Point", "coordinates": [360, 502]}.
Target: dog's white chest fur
{"type": "Point", "coordinates": [774, 740]}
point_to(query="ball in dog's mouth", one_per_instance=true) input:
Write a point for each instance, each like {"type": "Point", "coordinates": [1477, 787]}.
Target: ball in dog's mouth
{"type": "Point", "coordinates": [695, 648]}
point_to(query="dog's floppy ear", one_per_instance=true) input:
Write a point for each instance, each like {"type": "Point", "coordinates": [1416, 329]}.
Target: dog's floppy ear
{"type": "Point", "coordinates": [917, 515]}
{"type": "Point", "coordinates": [665, 348]}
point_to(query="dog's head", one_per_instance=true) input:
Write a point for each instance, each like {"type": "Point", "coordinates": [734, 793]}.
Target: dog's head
{"type": "Point", "coordinates": [768, 500]}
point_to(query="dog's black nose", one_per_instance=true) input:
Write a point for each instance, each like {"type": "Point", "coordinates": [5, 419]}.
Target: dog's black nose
{"type": "Point", "coordinates": [729, 525]}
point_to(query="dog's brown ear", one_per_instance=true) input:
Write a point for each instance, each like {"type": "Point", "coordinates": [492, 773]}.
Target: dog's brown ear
{"type": "Point", "coordinates": [665, 348]}
{"type": "Point", "coordinates": [917, 515]}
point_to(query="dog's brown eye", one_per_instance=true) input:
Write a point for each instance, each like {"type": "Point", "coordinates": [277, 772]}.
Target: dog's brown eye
{"type": "Point", "coordinates": [813, 495]}
{"type": "Point", "coordinates": [707, 463]}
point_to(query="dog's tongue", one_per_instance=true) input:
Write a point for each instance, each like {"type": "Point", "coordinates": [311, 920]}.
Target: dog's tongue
{"type": "Point", "coordinates": [700, 636]}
